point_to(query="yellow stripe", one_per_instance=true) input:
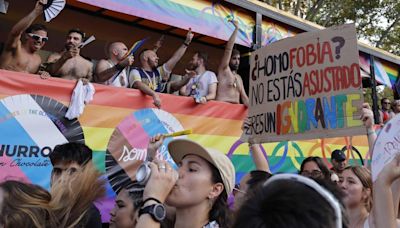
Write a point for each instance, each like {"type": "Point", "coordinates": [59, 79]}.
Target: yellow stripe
{"type": "Point", "coordinates": [97, 138]}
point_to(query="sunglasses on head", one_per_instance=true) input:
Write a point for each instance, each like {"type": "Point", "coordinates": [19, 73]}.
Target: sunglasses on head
{"type": "Point", "coordinates": [38, 38]}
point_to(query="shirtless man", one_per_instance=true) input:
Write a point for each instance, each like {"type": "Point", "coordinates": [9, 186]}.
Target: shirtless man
{"type": "Point", "coordinates": [230, 84]}
{"type": "Point", "coordinates": [107, 69]}
{"type": "Point", "coordinates": [20, 55]}
{"type": "Point", "coordinates": [69, 64]}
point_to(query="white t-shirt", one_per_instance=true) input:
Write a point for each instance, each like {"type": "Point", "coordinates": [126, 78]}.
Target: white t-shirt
{"type": "Point", "coordinates": [120, 80]}
{"type": "Point", "coordinates": [200, 83]}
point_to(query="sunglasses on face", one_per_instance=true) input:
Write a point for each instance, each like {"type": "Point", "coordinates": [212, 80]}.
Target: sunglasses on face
{"type": "Point", "coordinates": [38, 38]}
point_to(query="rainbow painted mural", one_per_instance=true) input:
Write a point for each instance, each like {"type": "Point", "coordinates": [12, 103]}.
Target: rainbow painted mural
{"type": "Point", "coordinates": [32, 123]}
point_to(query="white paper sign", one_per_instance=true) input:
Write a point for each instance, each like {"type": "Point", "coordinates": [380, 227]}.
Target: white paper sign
{"type": "Point", "coordinates": [386, 146]}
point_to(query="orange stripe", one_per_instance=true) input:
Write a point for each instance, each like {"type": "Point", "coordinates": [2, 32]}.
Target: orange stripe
{"type": "Point", "coordinates": [103, 116]}
{"type": "Point", "coordinates": [99, 116]}
{"type": "Point", "coordinates": [211, 126]}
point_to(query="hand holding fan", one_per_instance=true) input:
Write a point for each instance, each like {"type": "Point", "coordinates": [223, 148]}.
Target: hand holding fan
{"type": "Point", "coordinates": [87, 41]}
{"type": "Point", "coordinates": [52, 9]}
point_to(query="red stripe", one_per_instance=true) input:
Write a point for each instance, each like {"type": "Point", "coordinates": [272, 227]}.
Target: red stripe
{"type": "Point", "coordinates": [12, 83]}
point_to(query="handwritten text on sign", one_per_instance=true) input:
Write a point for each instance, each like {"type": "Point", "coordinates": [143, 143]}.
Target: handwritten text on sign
{"type": "Point", "coordinates": [308, 86]}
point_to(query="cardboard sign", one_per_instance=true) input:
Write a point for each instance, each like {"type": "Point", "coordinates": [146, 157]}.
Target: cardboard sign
{"type": "Point", "coordinates": [304, 87]}
{"type": "Point", "coordinates": [386, 146]}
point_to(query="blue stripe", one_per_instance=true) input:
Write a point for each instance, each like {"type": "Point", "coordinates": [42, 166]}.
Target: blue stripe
{"type": "Point", "coordinates": [152, 126]}
{"type": "Point", "coordinates": [12, 133]}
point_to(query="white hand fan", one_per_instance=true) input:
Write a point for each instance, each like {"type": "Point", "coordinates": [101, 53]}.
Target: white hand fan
{"type": "Point", "coordinates": [87, 41]}
{"type": "Point", "coordinates": [52, 9]}
{"type": "Point", "coordinates": [3, 6]}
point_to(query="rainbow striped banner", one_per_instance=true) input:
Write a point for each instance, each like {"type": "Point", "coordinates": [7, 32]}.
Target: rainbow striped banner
{"type": "Point", "coordinates": [204, 17]}
{"type": "Point", "coordinates": [32, 123]}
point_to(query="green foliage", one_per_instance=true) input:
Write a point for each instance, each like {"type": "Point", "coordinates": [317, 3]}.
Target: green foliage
{"type": "Point", "coordinates": [377, 21]}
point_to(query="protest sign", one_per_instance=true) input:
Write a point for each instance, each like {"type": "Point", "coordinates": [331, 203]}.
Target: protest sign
{"type": "Point", "coordinates": [307, 86]}
{"type": "Point", "coordinates": [386, 146]}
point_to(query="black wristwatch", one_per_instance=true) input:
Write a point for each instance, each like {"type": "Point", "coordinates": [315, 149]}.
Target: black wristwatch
{"type": "Point", "coordinates": [157, 211]}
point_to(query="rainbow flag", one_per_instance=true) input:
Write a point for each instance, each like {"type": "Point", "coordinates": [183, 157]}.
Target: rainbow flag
{"type": "Point", "coordinates": [136, 46]}
{"type": "Point", "coordinates": [117, 125]}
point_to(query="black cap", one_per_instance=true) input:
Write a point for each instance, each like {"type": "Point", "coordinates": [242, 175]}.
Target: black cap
{"type": "Point", "coordinates": [338, 155]}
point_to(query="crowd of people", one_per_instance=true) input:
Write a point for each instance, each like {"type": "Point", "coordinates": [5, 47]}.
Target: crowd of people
{"type": "Point", "coordinates": [150, 77]}
{"type": "Point", "coordinates": [200, 191]}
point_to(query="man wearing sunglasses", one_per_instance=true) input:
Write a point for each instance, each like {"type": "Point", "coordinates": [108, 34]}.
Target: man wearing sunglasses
{"type": "Point", "coordinates": [69, 64]}
{"type": "Point", "coordinates": [385, 114]}
{"type": "Point", "coordinates": [23, 42]}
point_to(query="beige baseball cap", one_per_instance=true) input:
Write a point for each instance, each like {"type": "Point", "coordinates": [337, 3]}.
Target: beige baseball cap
{"type": "Point", "coordinates": [179, 148]}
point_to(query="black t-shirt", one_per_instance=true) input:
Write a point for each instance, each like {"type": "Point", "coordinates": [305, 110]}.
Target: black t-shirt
{"type": "Point", "coordinates": [92, 218]}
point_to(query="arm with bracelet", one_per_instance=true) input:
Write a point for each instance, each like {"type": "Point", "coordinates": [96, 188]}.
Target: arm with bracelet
{"type": "Point", "coordinates": [367, 117]}
{"type": "Point", "coordinates": [170, 64]}
{"type": "Point", "coordinates": [161, 181]}
{"type": "Point", "coordinates": [104, 72]}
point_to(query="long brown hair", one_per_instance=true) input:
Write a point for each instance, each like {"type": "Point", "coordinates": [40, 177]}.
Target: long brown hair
{"type": "Point", "coordinates": [26, 205]}
{"type": "Point", "coordinates": [364, 175]}
{"type": "Point", "coordinates": [73, 195]}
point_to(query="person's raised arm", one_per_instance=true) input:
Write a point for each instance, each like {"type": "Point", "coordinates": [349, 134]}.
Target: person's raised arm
{"type": "Point", "coordinates": [367, 117]}
{"type": "Point", "coordinates": [155, 143]}
{"type": "Point", "coordinates": [160, 184]}
{"type": "Point", "coordinates": [384, 211]}
{"type": "Point", "coordinates": [157, 45]}
{"type": "Point", "coordinates": [104, 72]}
{"type": "Point", "coordinates": [14, 36]}
{"type": "Point", "coordinates": [170, 64]}
{"type": "Point", "coordinates": [260, 161]}
{"type": "Point", "coordinates": [228, 49]}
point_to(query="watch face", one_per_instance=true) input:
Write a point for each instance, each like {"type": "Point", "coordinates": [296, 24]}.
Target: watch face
{"type": "Point", "coordinates": [159, 212]}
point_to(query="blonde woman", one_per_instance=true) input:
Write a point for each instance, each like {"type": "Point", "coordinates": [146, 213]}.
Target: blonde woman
{"type": "Point", "coordinates": [25, 205]}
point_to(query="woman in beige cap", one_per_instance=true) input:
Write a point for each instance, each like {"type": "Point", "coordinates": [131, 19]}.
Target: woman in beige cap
{"type": "Point", "coordinates": [206, 177]}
